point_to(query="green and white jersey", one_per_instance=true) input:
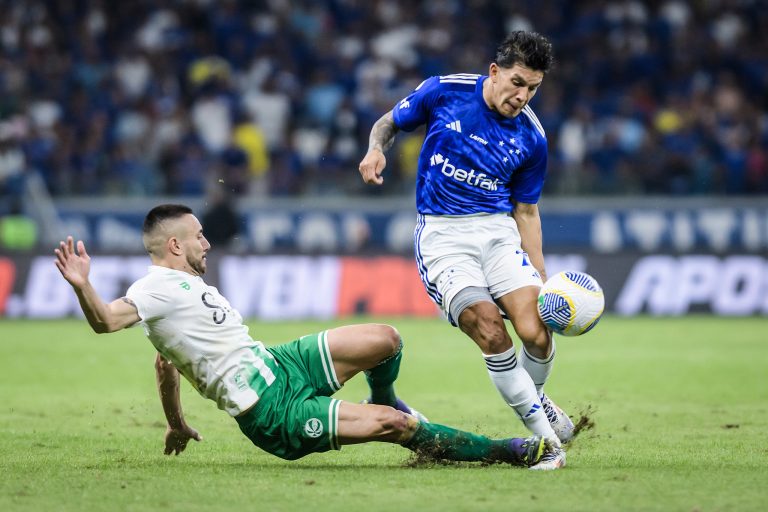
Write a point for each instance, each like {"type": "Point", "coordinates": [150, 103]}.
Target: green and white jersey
{"type": "Point", "coordinates": [192, 325]}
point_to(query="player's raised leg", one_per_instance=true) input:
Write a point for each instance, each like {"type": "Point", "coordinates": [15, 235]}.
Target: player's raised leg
{"type": "Point", "coordinates": [375, 349]}
{"type": "Point", "coordinates": [359, 423]}
{"type": "Point", "coordinates": [538, 353]}
{"type": "Point", "coordinates": [483, 323]}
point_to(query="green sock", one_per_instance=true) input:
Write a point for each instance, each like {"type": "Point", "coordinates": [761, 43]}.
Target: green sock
{"type": "Point", "coordinates": [381, 379]}
{"type": "Point", "coordinates": [441, 442]}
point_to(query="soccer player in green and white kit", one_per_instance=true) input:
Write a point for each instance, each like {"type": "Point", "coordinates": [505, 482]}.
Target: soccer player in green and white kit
{"type": "Point", "coordinates": [280, 396]}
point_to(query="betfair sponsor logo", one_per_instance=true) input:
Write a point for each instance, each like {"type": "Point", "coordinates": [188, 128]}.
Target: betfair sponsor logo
{"type": "Point", "coordinates": [470, 177]}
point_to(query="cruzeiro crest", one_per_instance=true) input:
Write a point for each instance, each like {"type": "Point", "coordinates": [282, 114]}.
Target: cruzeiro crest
{"type": "Point", "coordinates": [313, 427]}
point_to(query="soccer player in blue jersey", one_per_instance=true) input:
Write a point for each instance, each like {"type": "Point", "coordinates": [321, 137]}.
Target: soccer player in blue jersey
{"type": "Point", "coordinates": [478, 238]}
{"type": "Point", "coordinates": [280, 396]}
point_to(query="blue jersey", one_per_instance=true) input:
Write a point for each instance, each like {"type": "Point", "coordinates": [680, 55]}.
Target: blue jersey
{"type": "Point", "coordinates": [473, 160]}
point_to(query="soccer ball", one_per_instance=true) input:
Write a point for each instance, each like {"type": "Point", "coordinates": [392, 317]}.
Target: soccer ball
{"type": "Point", "coordinates": [571, 303]}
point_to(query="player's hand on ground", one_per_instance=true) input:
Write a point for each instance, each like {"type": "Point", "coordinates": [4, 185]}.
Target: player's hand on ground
{"type": "Point", "coordinates": [74, 266]}
{"type": "Point", "coordinates": [372, 166]}
{"type": "Point", "coordinates": [176, 439]}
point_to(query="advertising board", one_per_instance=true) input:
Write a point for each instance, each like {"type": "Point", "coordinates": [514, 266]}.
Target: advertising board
{"type": "Point", "coordinates": [297, 287]}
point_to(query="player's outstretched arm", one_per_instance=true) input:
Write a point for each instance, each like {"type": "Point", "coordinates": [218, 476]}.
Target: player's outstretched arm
{"type": "Point", "coordinates": [178, 433]}
{"type": "Point", "coordinates": [382, 137]}
{"type": "Point", "coordinates": [74, 267]}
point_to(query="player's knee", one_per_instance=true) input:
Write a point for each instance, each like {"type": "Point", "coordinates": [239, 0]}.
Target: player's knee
{"type": "Point", "coordinates": [488, 332]}
{"type": "Point", "coordinates": [389, 340]}
{"type": "Point", "coordinates": [533, 333]}
{"type": "Point", "coordinates": [496, 343]}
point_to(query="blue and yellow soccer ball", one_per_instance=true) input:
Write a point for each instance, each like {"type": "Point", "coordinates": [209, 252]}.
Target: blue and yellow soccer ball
{"type": "Point", "coordinates": [571, 303]}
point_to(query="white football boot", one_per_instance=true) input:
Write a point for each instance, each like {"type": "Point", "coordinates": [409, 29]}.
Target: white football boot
{"type": "Point", "coordinates": [560, 422]}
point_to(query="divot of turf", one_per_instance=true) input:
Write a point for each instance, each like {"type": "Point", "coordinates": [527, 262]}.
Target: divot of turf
{"type": "Point", "coordinates": [585, 421]}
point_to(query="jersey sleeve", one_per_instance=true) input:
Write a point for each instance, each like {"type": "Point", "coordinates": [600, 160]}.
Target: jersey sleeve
{"type": "Point", "coordinates": [151, 304]}
{"type": "Point", "coordinates": [528, 181]}
{"type": "Point", "coordinates": [413, 110]}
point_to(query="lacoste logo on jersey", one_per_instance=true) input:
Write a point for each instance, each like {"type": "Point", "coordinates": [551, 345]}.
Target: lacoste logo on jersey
{"type": "Point", "coordinates": [454, 125]}
{"type": "Point", "coordinates": [313, 427]}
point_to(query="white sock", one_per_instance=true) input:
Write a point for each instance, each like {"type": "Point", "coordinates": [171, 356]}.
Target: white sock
{"type": "Point", "coordinates": [538, 369]}
{"type": "Point", "coordinates": [518, 391]}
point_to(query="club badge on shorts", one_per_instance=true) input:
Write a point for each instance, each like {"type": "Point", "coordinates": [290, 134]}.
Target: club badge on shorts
{"type": "Point", "coordinates": [313, 427]}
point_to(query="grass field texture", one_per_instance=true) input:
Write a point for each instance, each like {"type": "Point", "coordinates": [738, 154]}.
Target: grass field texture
{"type": "Point", "coordinates": [680, 411]}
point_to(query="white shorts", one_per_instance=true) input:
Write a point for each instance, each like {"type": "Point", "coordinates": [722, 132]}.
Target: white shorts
{"type": "Point", "coordinates": [453, 253]}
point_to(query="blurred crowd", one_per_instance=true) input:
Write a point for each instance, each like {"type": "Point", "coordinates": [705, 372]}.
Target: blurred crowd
{"type": "Point", "coordinates": [277, 97]}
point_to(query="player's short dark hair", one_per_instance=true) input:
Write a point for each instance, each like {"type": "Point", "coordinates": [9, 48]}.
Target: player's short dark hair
{"type": "Point", "coordinates": [164, 212]}
{"type": "Point", "coordinates": [530, 49]}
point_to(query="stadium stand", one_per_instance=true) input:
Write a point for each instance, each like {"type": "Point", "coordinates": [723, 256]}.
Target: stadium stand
{"type": "Point", "coordinates": [275, 98]}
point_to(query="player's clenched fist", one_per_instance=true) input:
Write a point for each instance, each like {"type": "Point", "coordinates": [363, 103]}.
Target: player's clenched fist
{"type": "Point", "coordinates": [372, 166]}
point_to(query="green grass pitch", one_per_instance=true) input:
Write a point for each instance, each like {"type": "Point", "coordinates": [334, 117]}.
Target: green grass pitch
{"type": "Point", "coordinates": [680, 411]}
